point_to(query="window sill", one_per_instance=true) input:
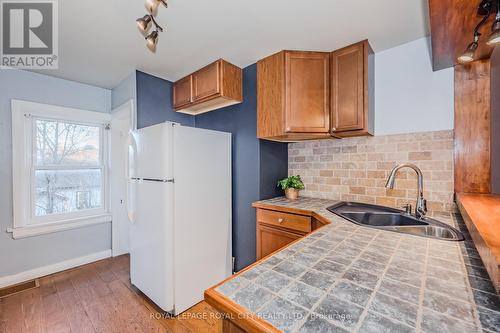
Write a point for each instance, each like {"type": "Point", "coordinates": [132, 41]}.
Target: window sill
{"type": "Point", "coordinates": [42, 229]}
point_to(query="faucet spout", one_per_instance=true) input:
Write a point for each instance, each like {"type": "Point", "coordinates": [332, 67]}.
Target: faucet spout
{"type": "Point", "coordinates": [421, 207]}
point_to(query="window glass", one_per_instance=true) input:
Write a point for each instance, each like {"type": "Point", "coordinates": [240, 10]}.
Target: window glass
{"type": "Point", "coordinates": [68, 174]}
{"type": "Point", "coordinates": [63, 143]}
{"type": "Point", "coordinates": [65, 191]}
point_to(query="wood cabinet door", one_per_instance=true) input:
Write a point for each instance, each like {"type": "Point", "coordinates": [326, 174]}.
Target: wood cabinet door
{"type": "Point", "coordinates": [271, 239]}
{"type": "Point", "coordinates": [182, 92]}
{"type": "Point", "coordinates": [206, 81]}
{"type": "Point", "coordinates": [307, 92]}
{"type": "Point", "coordinates": [348, 86]}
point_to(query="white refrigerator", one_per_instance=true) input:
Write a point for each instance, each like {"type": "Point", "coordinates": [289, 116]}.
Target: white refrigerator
{"type": "Point", "coordinates": [180, 208]}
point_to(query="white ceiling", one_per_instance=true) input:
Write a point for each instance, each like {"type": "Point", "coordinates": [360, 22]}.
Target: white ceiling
{"type": "Point", "coordinates": [99, 43]}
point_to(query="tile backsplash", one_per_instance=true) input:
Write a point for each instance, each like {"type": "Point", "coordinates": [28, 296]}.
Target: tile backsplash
{"type": "Point", "coordinates": [356, 169]}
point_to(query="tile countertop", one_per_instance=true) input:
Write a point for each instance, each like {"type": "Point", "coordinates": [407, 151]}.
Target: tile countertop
{"type": "Point", "coordinates": [348, 278]}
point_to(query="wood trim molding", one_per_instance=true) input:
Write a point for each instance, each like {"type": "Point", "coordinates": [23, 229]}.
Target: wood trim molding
{"type": "Point", "coordinates": [473, 128]}
{"type": "Point", "coordinates": [290, 210]}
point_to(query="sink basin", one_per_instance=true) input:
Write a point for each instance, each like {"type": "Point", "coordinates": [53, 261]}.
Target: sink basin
{"type": "Point", "coordinates": [394, 220]}
{"type": "Point", "coordinates": [431, 231]}
{"type": "Point", "coordinates": [382, 219]}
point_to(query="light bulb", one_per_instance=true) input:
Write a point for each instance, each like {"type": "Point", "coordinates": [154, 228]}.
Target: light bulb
{"type": "Point", "coordinates": [468, 55]}
{"type": "Point", "coordinates": [494, 38]}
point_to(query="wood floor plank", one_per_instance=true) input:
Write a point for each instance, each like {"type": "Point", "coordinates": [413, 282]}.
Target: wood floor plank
{"type": "Point", "coordinates": [78, 318]}
{"type": "Point", "coordinates": [32, 311]}
{"type": "Point", "coordinates": [62, 281]}
{"type": "Point", "coordinates": [97, 298]}
{"type": "Point", "coordinates": [3, 323]}
{"type": "Point", "coordinates": [54, 315]}
{"type": "Point", "coordinates": [133, 304]}
{"type": "Point", "coordinates": [13, 314]}
{"type": "Point", "coordinates": [200, 318]}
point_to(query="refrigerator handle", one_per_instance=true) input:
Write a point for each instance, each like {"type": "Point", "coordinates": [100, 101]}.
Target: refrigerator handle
{"type": "Point", "coordinates": [131, 188]}
{"type": "Point", "coordinates": [131, 183]}
{"type": "Point", "coordinates": [132, 155]}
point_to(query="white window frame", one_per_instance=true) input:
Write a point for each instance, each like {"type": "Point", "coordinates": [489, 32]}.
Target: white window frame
{"type": "Point", "coordinates": [25, 224]}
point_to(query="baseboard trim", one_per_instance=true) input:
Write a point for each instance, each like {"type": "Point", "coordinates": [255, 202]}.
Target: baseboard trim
{"type": "Point", "coordinates": [6, 281]}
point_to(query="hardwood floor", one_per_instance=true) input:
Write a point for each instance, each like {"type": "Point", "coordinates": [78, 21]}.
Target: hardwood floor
{"type": "Point", "coordinates": [96, 298]}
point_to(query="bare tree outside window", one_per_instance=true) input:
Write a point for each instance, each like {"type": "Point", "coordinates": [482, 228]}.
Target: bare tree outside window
{"type": "Point", "coordinates": [67, 165]}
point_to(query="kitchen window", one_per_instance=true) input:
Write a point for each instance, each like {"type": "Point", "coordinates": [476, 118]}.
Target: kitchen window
{"type": "Point", "coordinates": [60, 168]}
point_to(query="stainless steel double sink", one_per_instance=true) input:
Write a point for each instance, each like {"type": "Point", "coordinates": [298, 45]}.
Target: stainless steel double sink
{"type": "Point", "coordinates": [395, 220]}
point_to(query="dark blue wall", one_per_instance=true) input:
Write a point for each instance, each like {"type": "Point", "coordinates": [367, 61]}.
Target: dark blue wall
{"type": "Point", "coordinates": [273, 167]}
{"type": "Point", "coordinates": [241, 121]}
{"type": "Point", "coordinates": [154, 102]}
{"type": "Point", "coordinates": [257, 164]}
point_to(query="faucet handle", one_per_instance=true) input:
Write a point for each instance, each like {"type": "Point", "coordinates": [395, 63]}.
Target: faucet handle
{"type": "Point", "coordinates": [407, 208]}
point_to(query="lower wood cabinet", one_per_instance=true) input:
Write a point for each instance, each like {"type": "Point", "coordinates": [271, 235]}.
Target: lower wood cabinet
{"type": "Point", "coordinates": [270, 239]}
{"type": "Point", "coordinates": [276, 229]}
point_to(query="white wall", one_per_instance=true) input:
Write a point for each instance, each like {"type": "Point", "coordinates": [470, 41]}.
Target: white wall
{"type": "Point", "coordinates": [125, 91]}
{"type": "Point", "coordinates": [30, 253]}
{"type": "Point", "coordinates": [409, 96]}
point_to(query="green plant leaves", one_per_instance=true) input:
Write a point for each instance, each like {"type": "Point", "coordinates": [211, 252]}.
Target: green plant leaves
{"type": "Point", "coordinates": [291, 182]}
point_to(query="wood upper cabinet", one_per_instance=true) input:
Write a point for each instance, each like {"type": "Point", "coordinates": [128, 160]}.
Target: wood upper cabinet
{"type": "Point", "coordinates": [352, 90]}
{"type": "Point", "coordinates": [315, 95]}
{"type": "Point", "coordinates": [206, 82]}
{"type": "Point", "coordinates": [293, 89]}
{"type": "Point", "coordinates": [212, 87]}
{"type": "Point", "coordinates": [307, 81]}
{"type": "Point", "coordinates": [182, 92]}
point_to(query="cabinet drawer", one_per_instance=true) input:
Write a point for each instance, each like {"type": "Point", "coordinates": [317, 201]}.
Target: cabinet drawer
{"type": "Point", "coordinates": [285, 220]}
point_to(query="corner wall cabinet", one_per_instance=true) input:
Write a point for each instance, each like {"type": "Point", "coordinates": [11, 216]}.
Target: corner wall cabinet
{"type": "Point", "coordinates": [304, 95]}
{"type": "Point", "coordinates": [213, 87]}
{"type": "Point", "coordinates": [352, 100]}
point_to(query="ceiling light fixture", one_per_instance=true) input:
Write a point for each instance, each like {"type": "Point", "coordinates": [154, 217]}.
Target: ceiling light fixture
{"type": "Point", "coordinates": [468, 55]}
{"type": "Point", "coordinates": [485, 9]}
{"type": "Point", "coordinates": [152, 5]}
{"type": "Point", "coordinates": [144, 23]}
{"type": "Point", "coordinates": [152, 40]}
{"type": "Point", "coordinates": [494, 37]}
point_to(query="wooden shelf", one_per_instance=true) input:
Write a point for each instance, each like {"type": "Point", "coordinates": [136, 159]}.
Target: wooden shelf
{"type": "Point", "coordinates": [481, 213]}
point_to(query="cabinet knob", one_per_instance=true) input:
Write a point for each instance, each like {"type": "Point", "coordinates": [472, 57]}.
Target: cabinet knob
{"type": "Point", "coordinates": [280, 220]}
{"type": "Point", "coordinates": [333, 129]}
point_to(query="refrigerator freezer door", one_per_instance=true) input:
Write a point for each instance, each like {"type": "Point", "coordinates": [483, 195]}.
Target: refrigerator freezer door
{"type": "Point", "coordinates": [202, 170]}
{"type": "Point", "coordinates": [151, 244]}
{"type": "Point", "coordinates": [151, 152]}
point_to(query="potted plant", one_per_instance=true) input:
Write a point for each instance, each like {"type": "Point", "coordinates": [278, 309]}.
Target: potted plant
{"type": "Point", "coordinates": [291, 185]}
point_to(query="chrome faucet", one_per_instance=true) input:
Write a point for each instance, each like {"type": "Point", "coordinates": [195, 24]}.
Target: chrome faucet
{"type": "Point", "coordinates": [421, 207]}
